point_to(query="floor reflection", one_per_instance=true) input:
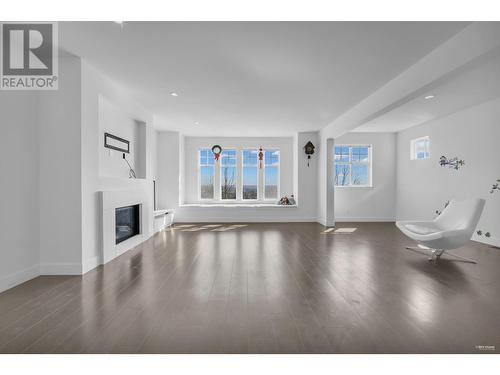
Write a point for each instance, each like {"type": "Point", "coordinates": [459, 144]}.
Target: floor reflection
{"type": "Point", "coordinates": [274, 287]}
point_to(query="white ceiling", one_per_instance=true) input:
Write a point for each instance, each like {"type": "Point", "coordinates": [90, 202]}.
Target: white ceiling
{"type": "Point", "coordinates": [252, 78]}
{"type": "Point", "coordinates": [476, 84]}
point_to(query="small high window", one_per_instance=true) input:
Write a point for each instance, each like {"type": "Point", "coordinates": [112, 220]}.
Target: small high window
{"type": "Point", "coordinates": [420, 148]}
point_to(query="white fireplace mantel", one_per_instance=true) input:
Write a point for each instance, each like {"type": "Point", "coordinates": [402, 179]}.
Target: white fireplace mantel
{"type": "Point", "coordinates": [110, 200]}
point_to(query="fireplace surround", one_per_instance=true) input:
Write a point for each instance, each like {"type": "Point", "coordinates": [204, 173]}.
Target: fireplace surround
{"type": "Point", "coordinates": [117, 237]}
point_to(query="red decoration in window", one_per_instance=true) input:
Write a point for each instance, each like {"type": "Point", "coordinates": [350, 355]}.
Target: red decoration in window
{"type": "Point", "coordinates": [216, 150]}
{"type": "Point", "coordinates": [261, 157]}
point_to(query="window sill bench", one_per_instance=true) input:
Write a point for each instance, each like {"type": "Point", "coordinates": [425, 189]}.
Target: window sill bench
{"type": "Point", "coordinates": [238, 205]}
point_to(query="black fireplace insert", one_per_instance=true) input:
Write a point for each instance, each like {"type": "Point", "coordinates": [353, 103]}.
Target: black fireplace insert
{"type": "Point", "coordinates": [127, 223]}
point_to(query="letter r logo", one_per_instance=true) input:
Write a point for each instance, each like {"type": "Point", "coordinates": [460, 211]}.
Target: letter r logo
{"type": "Point", "coordinates": [27, 49]}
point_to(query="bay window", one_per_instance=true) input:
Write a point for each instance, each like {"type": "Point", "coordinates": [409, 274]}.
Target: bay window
{"type": "Point", "coordinates": [239, 175]}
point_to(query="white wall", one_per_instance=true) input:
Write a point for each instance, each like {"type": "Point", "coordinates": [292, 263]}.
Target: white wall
{"type": "Point", "coordinates": [95, 85]}
{"type": "Point", "coordinates": [377, 203]}
{"type": "Point", "coordinates": [473, 135]}
{"type": "Point", "coordinates": [325, 188]}
{"type": "Point", "coordinates": [168, 175]}
{"type": "Point", "coordinates": [60, 172]}
{"type": "Point", "coordinates": [41, 214]}
{"type": "Point", "coordinates": [19, 187]}
{"type": "Point", "coordinates": [50, 216]}
{"type": "Point", "coordinates": [116, 121]}
{"type": "Point", "coordinates": [307, 177]}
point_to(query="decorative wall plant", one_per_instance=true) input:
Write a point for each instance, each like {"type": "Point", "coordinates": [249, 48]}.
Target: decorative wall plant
{"type": "Point", "coordinates": [454, 163]}
{"type": "Point", "coordinates": [495, 187]}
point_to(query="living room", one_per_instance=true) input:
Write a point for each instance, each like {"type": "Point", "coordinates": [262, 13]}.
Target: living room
{"type": "Point", "coordinates": [250, 187]}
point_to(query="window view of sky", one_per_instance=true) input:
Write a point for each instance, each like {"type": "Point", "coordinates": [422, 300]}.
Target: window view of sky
{"type": "Point", "coordinates": [420, 148]}
{"type": "Point", "coordinates": [352, 165]}
{"type": "Point", "coordinates": [228, 174]}
{"type": "Point", "coordinates": [271, 174]}
{"type": "Point", "coordinates": [207, 174]}
{"type": "Point", "coordinates": [248, 176]}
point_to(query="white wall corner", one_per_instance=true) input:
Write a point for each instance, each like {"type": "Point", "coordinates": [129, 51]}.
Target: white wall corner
{"type": "Point", "coordinates": [91, 263]}
{"type": "Point", "coordinates": [19, 277]}
{"type": "Point", "coordinates": [324, 222]}
{"type": "Point", "coordinates": [492, 241]}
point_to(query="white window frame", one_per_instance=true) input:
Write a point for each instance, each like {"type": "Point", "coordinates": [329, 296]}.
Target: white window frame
{"type": "Point", "coordinates": [217, 199]}
{"type": "Point", "coordinates": [243, 165]}
{"type": "Point", "coordinates": [236, 168]}
{"type": "Point", "coordinates": [413, 148]}
{"type": "Point", "coordinates": [199, 175]}
{"type": "Point", "coordinates": [278, 164]}
{"type": "Point", "coordinates": [351, 162]}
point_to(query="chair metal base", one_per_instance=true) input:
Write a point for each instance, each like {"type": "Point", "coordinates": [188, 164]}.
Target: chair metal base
{"type": "Point", "coordinates": [435, 254]}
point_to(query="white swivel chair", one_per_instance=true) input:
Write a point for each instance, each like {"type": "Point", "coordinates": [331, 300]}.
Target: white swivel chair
{"type": "Point", "coordinates": [450, 230]}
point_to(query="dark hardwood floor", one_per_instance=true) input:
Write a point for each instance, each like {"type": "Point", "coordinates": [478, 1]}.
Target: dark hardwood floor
{"type": "Point", "coordinates": [263, 288]}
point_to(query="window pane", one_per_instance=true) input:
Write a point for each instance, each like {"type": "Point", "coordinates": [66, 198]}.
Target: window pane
{"type": "Point", "coordinates": [337, 154]}
{"type": "Point", "coordinates": [360, 154]}
{"type": "Point", "coordinates": [342, 175]}
{"type": "Point", "coordinates": [250, 182]}
{"type": "Point", "coordinates": [207, 182]}
{"type": "Point", "coordinates": [206, 157]}
{"type": "Point", "coordinates": [359, 174]}
{"type": "Point", "coordinates": [203, 157]}
{"type": "Point", "coordinates": [228, 157]}
{"type": "Point", "coordinates": [250, 157]}
{"type": "Point", "coordinates": [210, 158]}
{"type": "Point", "coordinates": [420, 148]}
{"type": "Point", "coordinates": [272, 157]}
{"type": "Point", "coordinates": [228, 182]}
{"type": "Point", "coordinates": [341, 153]}
{"type": "Point", "coordinates": [271, 182]}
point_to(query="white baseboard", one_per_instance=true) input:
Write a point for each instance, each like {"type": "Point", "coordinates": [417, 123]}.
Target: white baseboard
{"type": "Point", "coordinates": [493, 241]}
{"type": "Point", "coordinates": [19, 277]}
{"type": "Point", "coordinates": [219, 219]}
{"type": "Point", "coordinates": [60, 269]}
{"type": "Point", "coordinates": [90, 264]}
{"type": "Point", "coordinates": [365, 219]}
{"type": "Point", "coordinates": [325, 222]}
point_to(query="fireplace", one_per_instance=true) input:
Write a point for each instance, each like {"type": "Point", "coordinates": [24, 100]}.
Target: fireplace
{"type": "Point", "coordinates": [127, 223]}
